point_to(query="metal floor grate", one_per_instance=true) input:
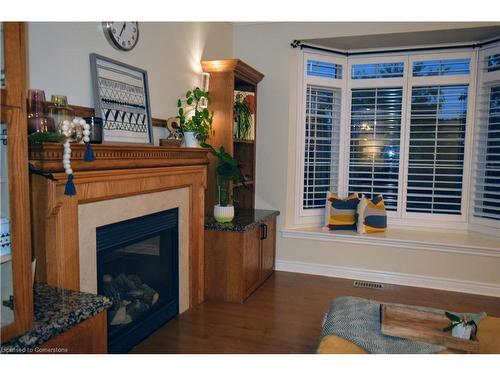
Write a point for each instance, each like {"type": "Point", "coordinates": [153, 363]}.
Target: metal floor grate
{"type": "Point", "coordinates": [367, 284]}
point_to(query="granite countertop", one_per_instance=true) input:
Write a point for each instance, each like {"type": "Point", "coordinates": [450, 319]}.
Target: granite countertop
{"type": "Point", "coordinates": [56, 311]}
{"type": "Point", "coordinates": [244, 220]}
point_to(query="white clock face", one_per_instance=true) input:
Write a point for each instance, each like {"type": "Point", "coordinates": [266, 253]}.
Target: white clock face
{"type": "Point", "coordinates": [122, 35]}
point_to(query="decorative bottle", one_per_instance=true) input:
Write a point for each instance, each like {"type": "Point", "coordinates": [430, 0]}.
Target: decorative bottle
{"type": "Point", "coordinates": [38, 121]}
{"type": "Point", "coordinates": [59, 110]}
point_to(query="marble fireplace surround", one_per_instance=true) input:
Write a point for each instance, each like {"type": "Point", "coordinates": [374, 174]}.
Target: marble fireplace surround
{"type": "Point", "coordinates": [124, 181]}
{"type": "Point", "coordinates": [96, 214]}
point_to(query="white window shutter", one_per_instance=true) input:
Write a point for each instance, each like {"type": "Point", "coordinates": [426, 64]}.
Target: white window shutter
{"type": "Point", "coordinates": [487, 180]}
{"type": "Point", "coordinates": [375, 140]}
{"type": "Point", "coordinates": [436, 152]}
{"type": "Point", "coordinates": [322, 137]}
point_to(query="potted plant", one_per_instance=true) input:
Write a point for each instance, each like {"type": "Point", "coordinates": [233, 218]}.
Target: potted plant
{"type": "Point", "coordinates": [460, 327]}
{"type": "Point", "coordinates": [244, 108]}
{"type": "Point", "coordinates": [195, 120]}
{"type": "Point", "coordinates": [228, 169]}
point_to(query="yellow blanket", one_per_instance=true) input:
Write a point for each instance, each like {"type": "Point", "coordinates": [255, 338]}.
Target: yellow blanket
{"type": "Point", "coordinates": [488, 335]}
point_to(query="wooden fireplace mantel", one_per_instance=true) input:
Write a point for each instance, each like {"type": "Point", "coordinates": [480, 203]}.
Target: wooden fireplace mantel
{"type": "Point", "coordinates": [119, 170]}
{"type": "Point", "coordinates": [47, 157]}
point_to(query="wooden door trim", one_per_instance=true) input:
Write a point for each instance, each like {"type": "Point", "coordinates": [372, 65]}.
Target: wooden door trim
{"type": "Point", "coordinates": [18, 177]}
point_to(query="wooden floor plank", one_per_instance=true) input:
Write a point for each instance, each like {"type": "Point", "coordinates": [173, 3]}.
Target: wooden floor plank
{"type": "Point", "coordinates": [285, 315]}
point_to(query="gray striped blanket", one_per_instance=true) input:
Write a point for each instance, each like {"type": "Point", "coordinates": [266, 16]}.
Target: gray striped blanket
{"type": "Point", "coordinates": [358, 320]}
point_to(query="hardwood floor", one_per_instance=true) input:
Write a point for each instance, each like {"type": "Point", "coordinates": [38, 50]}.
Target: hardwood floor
{"type": "Point", "coordinates": [285, 315]}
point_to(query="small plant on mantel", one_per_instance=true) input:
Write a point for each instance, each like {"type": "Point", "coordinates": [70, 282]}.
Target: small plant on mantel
{"type": "Point", "coordinates": [228, 169]}
{"type": "Point", "coordinates": [195, 119]}
{"type": "Point", "coordinates": [41, 137]}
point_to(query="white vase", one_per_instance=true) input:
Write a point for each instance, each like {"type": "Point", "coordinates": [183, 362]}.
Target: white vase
{"type": "Point", "coordinates": [223, 214]}
{"type": "Point", "coordinates": [190, 140]}
{"type": "Point", "coordinates": [462, 331]}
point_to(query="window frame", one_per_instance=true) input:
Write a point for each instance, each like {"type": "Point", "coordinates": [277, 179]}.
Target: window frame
{"type": "Point", "coordinates": [310, 216]}
{"type": "Point", "coordinates": [392, 216]}
{"type": "Point", "coordinates": [451, 220]}
{"type": "Point", "coordinates": [407, 82]}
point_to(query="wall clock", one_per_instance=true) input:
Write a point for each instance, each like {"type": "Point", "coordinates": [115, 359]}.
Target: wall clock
{"type": "Point", "coordinates": [122, 35]}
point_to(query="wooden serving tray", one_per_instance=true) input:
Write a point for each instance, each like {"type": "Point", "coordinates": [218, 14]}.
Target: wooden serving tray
{"type": "Point", "coordinates": [425, 326]}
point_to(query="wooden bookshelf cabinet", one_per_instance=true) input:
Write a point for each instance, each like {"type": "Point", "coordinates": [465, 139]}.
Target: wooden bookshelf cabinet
{"type": "Point", "coordinates": [239, 256]}
{"type": "Point", "coordinates": [227, 77]}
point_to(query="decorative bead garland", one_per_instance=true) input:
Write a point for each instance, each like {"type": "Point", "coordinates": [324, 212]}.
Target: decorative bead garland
{"type": "Point", "coordinates": [86, 131]}
{"type": "Point", "coordinates": [67, 157]}
{"type": "Point", "coordinates": [71, 130]}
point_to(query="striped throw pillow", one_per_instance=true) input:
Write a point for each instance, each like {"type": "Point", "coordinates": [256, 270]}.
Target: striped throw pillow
{"type": "Point", "coordinates": [371, 215]}
{"type": "Point", "coordinates": [340, 214]}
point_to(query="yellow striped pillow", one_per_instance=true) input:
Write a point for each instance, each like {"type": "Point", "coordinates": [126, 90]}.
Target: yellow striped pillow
{"type": "Point", "coordinates": [371, 214]}
{"type": "Point", "coordinates": [340, 214]}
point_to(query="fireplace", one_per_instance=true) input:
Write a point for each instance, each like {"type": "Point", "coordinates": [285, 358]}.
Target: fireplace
{"type": "Point", "coordinates": [138, 269]}
{"type": "Point", "coordinates": [123, 183]}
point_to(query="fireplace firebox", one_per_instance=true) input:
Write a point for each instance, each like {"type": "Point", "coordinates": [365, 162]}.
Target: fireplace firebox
{"type": "Point", "coordinates": [138, 269]}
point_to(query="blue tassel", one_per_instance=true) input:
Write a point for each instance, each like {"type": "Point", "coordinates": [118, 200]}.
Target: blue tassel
{"type": "Point", "coordinates": [89, 153]}
{"type": "Point", "coordinates": [70, 189]}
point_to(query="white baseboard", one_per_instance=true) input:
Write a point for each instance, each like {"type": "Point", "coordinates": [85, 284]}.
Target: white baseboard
{"type": "Point", "coordinates": [390, 277]}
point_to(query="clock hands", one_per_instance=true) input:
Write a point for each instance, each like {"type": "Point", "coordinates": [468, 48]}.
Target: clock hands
{"type": "Point", "coordinates": [123, 28]}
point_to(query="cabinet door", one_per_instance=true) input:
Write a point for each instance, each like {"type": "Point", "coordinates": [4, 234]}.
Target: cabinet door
{"type": "Point", "coordinates": [251, 261]}
{"type": "Point", "coordinates": [268, 247]}
{"type": "Point", "coordinates": [16, 312]}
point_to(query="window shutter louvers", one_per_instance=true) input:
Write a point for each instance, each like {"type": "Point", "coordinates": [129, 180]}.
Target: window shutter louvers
{"type": "Point", "coordinates": [436, 152]}
{"type": "Point", "coordinates": [322, 137]}
{"type": "Point", "coordinates": [375, 142]}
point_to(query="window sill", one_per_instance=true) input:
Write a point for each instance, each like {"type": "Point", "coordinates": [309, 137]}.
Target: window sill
{"type": "Point", "coordinates": [448, 241]}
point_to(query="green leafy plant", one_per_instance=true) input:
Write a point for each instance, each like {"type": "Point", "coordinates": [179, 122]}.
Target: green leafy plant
{"type": "Point", "coordinates": [40, 137]}
{"type": "Point", "coordinates": [242, 117]}
{"type": "Point", "coordinates": [228, 169]}
{"type": "Point", "coordinates": [455, 321]}
{"type": "Point", "coordinates": [195, 117]}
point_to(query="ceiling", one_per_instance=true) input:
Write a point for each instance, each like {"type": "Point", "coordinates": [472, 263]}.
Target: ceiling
{"type": "Point", "coordinates": [401, 40]}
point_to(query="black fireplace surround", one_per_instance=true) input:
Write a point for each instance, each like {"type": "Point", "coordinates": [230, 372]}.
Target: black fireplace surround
{"type": "Point", "coordinates": [138, 269]}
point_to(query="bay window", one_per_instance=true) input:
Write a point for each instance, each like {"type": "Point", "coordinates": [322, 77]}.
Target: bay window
{"type": "Point", "coordinates": [402, 125]}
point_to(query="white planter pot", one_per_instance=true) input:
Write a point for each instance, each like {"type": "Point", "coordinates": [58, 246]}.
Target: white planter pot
{"type": "Point", "coordinates": [462, 331]}
{"type": "Point", "coordinates": [190, 140]}
{"type": "Point", "coordinates": [223, 214]}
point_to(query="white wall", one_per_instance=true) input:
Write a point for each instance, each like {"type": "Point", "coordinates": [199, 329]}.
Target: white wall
{"type": "Point", "coordinates": [170, 52]}
{"type": "Point", "coordinates": [266, 47]}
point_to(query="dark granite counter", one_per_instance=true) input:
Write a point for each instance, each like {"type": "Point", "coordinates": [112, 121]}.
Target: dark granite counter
{"type": "Point", "coordinates": [244, 220]}
{"type": "Point", "coordinates": [56, 311]}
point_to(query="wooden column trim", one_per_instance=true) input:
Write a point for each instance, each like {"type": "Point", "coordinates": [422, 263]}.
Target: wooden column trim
{"type": "Point", "coordinates": [13, 113]}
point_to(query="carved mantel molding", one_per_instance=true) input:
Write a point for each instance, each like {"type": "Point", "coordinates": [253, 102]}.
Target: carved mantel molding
{"type": "Point", "coordinates": [47, 157]}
